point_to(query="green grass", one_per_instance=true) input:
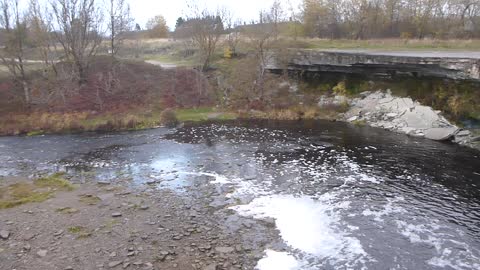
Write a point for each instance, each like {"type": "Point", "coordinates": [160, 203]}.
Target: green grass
{"type": "Point", "coordinates": [173, 60]}
{"type": "Point", "coordinates": [58, 123]}
{"type": "Point", "coordinates": [54, 181]}
{"type": "Point", "coordinates": [203, 114]}
{"type": "Point", "coordinates": [141, 121]}
{"type": "Point", "coordinates": [35, 133]}
{"type": "Point", "coordinates": [18, 194]}
{"type": "Point", "coordinates": [39, 190]}
{"type": "Point", "coordinates": [80, 232]}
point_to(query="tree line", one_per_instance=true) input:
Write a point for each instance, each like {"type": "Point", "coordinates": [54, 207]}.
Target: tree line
{"type": "Point", "coordinates": [362, 19]}
{"type": "Point", "coordinates": [72, 32]}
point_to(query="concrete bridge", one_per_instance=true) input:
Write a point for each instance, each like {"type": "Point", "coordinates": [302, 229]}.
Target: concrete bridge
{"type": "Point", "coordinates": [452, 65]}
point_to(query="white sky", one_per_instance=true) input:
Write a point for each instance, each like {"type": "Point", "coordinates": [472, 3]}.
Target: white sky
{"type": "Point", "coordinates": [246, 10]}
{"type": "Point", "coordinates": [142, 10]}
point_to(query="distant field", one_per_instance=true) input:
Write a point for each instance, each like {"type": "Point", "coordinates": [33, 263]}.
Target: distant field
{"type": "Point", "coordinates": [394, 44]}
{"type": "Point", "coordinates": [151, 45]}
{"type": "Point", "coordinates": [169, 52]}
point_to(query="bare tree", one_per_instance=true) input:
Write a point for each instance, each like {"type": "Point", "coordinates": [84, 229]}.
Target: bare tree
{"type": "Point", "coordinates": [234, 33]}
{"type": "Point", "coordinates": [261, 38]}
{"type": "Point", "coordinates": [294, 20]}
{"type": "Point", "coordinates": [205, 28]}
{"type": "Point", "coordinates": [275, 17]}
{"type": "Point", "coordinates": [119, 23]}
{"type": "Point", "coordinates": [15, 26]}
{"type": "Point", "coordinates": [41, 32]}
{"type": "Point", "coordinates": [79, 25]}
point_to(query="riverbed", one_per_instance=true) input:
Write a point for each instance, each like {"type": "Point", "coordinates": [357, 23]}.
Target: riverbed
{"type": "Point", "coordinates": [315, 194]}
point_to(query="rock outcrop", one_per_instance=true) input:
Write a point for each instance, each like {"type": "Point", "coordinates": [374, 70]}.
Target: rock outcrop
{"type": "Point", "coordinates": [403, 115]}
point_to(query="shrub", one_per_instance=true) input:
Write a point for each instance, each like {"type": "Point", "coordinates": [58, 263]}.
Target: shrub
{"type": "Point", "coordinates": [340, 89]}
{"type": "Point", "coordinates": [168, 118]}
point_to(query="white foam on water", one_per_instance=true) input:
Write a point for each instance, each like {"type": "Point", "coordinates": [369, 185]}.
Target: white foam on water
{"type": "Point", "coordinates": [219, 179]}
{"type": "Point", "coordinates": [445, 261]}
{"type": "Point", "coordinates": [244, 188]}
{"type": "Point", "coordinates": [168, 165]}
{"type": "Point", "coordinates": [451, 254]}
{"type": "Point", "coordinates": [419, 234]}
{"type": "Point", "coordinates": [275, 260]}
{"type": "Point", "coordinates": [310, 226]}
{"type": "Point", "coordinates": [389, 209]}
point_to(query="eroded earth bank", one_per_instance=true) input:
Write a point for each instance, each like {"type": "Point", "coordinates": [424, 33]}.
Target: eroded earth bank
{"type": "Point", "coordinates": [238, 195]}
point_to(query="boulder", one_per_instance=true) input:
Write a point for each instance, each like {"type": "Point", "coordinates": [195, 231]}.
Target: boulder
{"type": "Point", "coordinates": [441, 134]}
{"type": "Point", "coordinates": [399, 114]}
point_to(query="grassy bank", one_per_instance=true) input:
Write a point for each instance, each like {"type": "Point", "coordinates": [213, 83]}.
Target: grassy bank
{"type": "Point", "coordinates": [295, 113]}
{"type": "Point", "coordinates": [45, 123]}
{"type": "Point", "coordinates": [76, 122]}
{"type": "Point", "coordinates": [204, 114]}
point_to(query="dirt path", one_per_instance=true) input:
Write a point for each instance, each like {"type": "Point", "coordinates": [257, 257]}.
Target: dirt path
{"type": "Point", "coordinates": [161, 64]}
{"type": "Point", "coordinates": [111, 227]}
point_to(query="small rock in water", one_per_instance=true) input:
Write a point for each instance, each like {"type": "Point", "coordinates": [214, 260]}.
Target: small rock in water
{"type": "Point", "coordinates": [42, 253]}
{"type": "Point", "coordinates": [116, 214]}
{"type": "Point", "coordinates": [144, 207]}
{"type": "Point", "coordinates": [4, 234]}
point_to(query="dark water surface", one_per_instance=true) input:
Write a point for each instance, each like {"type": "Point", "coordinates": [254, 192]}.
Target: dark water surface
{"type": "Point", "coordinates": [342, 197]}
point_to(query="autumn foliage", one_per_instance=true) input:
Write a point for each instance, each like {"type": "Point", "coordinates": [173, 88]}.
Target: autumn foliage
{"type": "Point", "coordinates": [121, 94]}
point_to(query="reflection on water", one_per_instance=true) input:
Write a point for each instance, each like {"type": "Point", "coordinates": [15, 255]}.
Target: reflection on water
{"type": "Point", "coordinates": [341, 196]}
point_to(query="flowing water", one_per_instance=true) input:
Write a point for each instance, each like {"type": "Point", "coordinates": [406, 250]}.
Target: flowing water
{"type": "Point", "coordinates": [339, 196]}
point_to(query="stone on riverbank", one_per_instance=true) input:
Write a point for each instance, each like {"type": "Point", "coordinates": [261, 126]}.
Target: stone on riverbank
{"type": "Point", "coordinates": [42, 253]}
{"type": "Point", "coordinates": [400, 114]}
{"type": "Point", "coordinates": [440, 134]}
{"type": "Point", "coordinates": [4, 234]}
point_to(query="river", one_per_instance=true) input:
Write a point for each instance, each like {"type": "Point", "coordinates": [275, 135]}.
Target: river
{"type": "Point", "coordinates": [338, 196]}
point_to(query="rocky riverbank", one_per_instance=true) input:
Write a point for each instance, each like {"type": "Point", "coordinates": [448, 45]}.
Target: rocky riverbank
{"type": "Point", "coordinates": [403, 115]}
{"type": "Point", "coordinates": [108, 226]}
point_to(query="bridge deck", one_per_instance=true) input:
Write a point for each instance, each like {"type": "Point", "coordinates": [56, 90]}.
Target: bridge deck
{"type": "Point", "coordinates": [458, 65]}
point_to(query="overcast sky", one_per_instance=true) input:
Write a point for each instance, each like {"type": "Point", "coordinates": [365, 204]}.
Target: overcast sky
{"type": "Point", "coordinates": [142, 10]}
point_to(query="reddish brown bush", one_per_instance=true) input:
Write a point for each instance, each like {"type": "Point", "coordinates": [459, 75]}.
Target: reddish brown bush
{"type": "Point", "coordinates": [112, 86]}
